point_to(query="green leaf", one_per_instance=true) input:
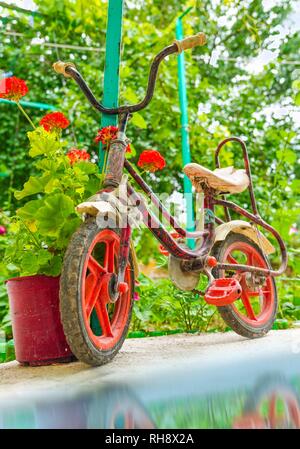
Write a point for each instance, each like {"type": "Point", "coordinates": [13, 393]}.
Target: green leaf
{"type": "Point", "coordinates": [29, 211]}
{"type": "Point", "coordinates": [66, 232]}
{"type": "Point", "coordinates": [130, 95]}
{"type": "Point", "coordinates": [92, 186]}
{"type": "Point", "coordinates": [42, 142]}
{"type": "Point", "coordinates": [52, 185]}
{"type": "Point", "coordinates": [290, 156]}
{"type": "Point", "coordinates": [33, 185]}
{"type": "Point", "coordinates": [297, 99]}
{"type": "Point", "coordinates": [53, 214]}
{"type": "Point", "coordinates": [138, 121]}
{"type": "Point", "coordinates": [296, 85]}
{"type": "Point", "coordinates": [54, 267]}
{"type": "Point", "coordinates": [43, 256]}
{"type": "Point", "coordinates": [295, 185]}
{"type": "Point", "coordinates": [29, 264]}
{"type": "Point", "coordinates": [49, 165]}
{"type": "Point", "coordinates": [85, 167]}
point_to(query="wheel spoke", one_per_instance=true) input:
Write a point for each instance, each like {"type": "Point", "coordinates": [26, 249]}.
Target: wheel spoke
{"type": "Point", "coordinates": [92, 290]}
{"type": "Point", "coordinates": [252, 293]}
{"type": "Point", "coordinates": [247, 305]}
{"type": "Point", "coordinates": [95, 267]}
{"type": "Point", "coordinates": [231, 259]}
{"type": "Point", "coordinates": [103, 318]}
{"type": "Point", "coordinates": [110, 257]}
{"type": "Point", "coordinates": [256, 302]}
{"type": "Point", "coordinates": [265, 289]}
{"type": "Point", "coordinates": [250, 259]}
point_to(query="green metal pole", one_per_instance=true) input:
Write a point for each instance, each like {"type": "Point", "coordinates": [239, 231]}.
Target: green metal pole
{"type": "Point", "coordinates": [31, 104]}
{"type": "Point", "coordinates": [185, 144]}
{"type": "Point", "coordinates": [112, 64]}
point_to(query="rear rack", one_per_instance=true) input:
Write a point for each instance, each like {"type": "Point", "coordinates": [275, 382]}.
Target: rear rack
{"type": "Point", "coordinates": [253, 217]}
{"type": "Point", "coordinates": [247, 168]}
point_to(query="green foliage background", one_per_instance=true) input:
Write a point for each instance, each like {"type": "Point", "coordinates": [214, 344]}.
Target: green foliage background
{"type": "Point", "coordinates": [225, 98]}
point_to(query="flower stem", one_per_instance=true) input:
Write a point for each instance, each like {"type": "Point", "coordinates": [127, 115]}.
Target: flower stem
{"type": "Point", "coordinates": [104, 166]}
{"type": "Point", "coordinates": [34, 239]}
{"type": "Point", "coordinates": [26, 115]}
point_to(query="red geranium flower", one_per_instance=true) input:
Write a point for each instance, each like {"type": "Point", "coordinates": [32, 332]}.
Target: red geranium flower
{"type": "Point", "coordinates": [13, 88]}
{"type": "Point", "coordinates": [107, 134]}
{"type": "Point", "coordinates": [151, 160]}
{"type": "Point", "coordinates": [76, 155]}
{"type": "Point", "coordinates": [54, 121]}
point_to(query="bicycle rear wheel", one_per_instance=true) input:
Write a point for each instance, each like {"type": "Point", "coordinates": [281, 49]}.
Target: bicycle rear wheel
{"type": "Point", "coordinates": [253, 315]}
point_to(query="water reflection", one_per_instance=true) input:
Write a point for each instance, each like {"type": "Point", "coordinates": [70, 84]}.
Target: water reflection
{"type": "Point", "coordinates": [273, 404]}
{"type": "Point", "coordinates": [218, 396]}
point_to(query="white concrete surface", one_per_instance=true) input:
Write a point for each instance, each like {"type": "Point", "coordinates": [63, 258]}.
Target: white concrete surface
{"type": "Point", "coordinates": [140, 357]}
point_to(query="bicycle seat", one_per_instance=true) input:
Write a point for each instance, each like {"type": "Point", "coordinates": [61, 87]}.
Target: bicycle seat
{"type": "Point", "coordinates": [223, 180]}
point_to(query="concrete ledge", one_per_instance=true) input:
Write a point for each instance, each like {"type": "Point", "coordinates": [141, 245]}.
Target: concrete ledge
{"type": "Point", "coordinates": [139, 356]}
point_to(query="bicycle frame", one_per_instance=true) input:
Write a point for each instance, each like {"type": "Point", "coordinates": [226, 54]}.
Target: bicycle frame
{"type": "Point", "coordinates": [192, 260]}
{"type": "Point", "coordinates": [103, 278]}
{"type": "Point", "coordinates": [197, 259]}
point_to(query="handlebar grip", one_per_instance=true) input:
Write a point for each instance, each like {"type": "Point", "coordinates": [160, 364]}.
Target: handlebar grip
{"type": "Point", "coordinates": [60, 67]}
{"type": "Point", "coordinates": [191, 42]}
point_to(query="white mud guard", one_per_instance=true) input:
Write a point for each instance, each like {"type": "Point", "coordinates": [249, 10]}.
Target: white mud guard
{"type": "Point", "coordinates": [96, 207]}
{"type": "Point", "coordinates": [245, 228]}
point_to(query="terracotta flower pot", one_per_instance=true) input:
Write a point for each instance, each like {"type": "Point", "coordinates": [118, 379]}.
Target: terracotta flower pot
{"type": "Point", "coordinates": [37, 330]}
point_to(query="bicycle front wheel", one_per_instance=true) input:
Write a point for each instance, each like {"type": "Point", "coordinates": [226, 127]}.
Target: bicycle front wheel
{"type": "Point", "coordinates": [95, 328]}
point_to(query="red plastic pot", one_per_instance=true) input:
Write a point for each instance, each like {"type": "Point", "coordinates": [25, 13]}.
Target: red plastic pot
{"type": "Point", "coordinates": [37, 330]}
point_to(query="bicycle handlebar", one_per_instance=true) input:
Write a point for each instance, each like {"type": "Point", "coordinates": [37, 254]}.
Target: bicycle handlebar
{"type": "Point", "coordinates": [190, 42]}
{"type": "Point", "coordinates": [60, 67]}
{"type": "Point", "coordinates": [69, 70]}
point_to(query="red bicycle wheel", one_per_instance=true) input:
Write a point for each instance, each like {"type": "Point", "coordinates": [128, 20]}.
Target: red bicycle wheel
{"type": "Point", "coordinates": [254, 313]}
{"type": "Point", "coordinates": [95, 317]}
{"type": "Point", "coordinates": [100, 269]}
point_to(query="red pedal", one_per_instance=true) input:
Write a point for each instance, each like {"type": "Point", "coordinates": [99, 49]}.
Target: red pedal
{"type": "Point", "coordinates": [223, 291]}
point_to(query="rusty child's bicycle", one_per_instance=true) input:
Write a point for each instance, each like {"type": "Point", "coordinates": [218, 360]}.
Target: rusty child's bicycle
{"type": "Point", "coordinates": [100, 267]}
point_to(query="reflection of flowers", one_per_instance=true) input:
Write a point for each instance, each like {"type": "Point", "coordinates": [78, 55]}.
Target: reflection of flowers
{"type": "Point", "coordinates": [3, 230]}
{"type": "Point", "coordinates": [54, 121]}
{"type": "Point", "coordinates": [76, 155]}
{"type": "Point", "coordinates": [151, 160]}
{"type": "Point", "coordinates": [13, 88]}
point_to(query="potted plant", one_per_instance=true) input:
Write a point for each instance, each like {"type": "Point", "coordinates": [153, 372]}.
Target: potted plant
{"type": "Point", "coordinates": [40, 231]}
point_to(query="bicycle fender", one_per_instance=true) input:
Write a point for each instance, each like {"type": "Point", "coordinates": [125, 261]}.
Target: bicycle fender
{"type": "Point", "coordinates": [98, 208]}
{"type": "Point", "coordinates": [95, 208]}
{"type": "Point", "coordinates": [245, 228]}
